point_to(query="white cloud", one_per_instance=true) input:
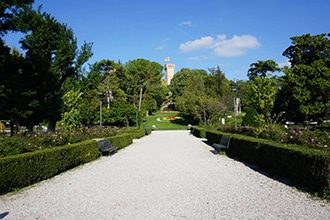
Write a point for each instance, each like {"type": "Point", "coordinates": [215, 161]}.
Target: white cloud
{"type": "Point", "coordinates": [285, 63]}
{"type": "Point", "coordinates": [222, 46]}
{"type": "Point", "coordinates": [198, 58]}
{"type": "Point", "coordinates": [186, 23]}
{"type": "Point", "coordinates": [202, 43]}
{"type": "Point", "coordinates": [161, 47]}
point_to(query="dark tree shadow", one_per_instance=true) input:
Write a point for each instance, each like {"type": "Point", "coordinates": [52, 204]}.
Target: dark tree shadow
{"type": "Point", "coordinates": [3, 215]}
{"type": "Point", "coordinates": [263, 171]}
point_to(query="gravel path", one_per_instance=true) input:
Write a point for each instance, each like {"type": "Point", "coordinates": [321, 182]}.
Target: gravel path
{"type": "Point", "coordinates": [166, 175]}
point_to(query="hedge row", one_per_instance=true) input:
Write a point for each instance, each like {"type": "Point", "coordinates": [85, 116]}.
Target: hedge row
{"type": "Point", "coordinates": [25, 169]}
{"type": "Point", "coordinates": [304, 166]}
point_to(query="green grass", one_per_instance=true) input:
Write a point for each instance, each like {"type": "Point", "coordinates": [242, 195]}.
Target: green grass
{"type": "Point", "coordinates": [158, 119]}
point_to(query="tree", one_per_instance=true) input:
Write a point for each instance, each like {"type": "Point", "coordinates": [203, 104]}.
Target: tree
{"type": "Point", "coordinates": [217, 85]}
{"type": "Point", "coordinates": [306, 83]}
{"type": "Point", "coordinates": [261, 68]}
{"type": "Point", "coordinates": [262, 93]}
{"type": "Point", "coordinates": [191, 103]}
{"type": "Point", "coordinates": [9, 12]}
{"type": "Point", "coordinates": [52, 57]}
{"type": "Point", "coordinates": [144, 78]}
{"type": "Point", "coordinates": [180, 80]}
{"type": "Point", "coordinates": [71, 119]}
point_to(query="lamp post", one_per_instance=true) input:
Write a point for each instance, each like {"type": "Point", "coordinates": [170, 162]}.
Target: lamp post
{"type": "Point", "coordinates": [235, 104]}
{"type": "Point", "coordinates": [204, 114]}
{"type": "Point", "coordinates": [101, 95]}
{"type": "Point", "coordinates": [137, 116]}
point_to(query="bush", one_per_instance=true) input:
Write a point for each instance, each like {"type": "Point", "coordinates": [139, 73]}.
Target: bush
{"type": "Point", "coordinates": [305, 166]}
{"type": "Point", "coordinates": [251, 118]}
{"type": "Point", "coordinates": [25, 169]}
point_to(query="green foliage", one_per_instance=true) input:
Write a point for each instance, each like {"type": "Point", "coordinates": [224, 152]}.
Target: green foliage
{"type": "Point", "coordinates": [71, 117]}
{"type": "Point", "coordinates": [261, 68]}
{"type": "Point", "coordinates": [262, 92]}
{"type": "Point", "coordinates": [306, 83]}
{"type": "Point", "coordinates": [25, 169]}
{"type": "Point", "coordinates": [121, 141]}
{"type": "Point", "coordinates": [304, 166]}
{"type": "Point", "coordinates": [252, 118]}
{"type": "Point", "coordinates": [10, 11]}
{"type": "Point", "coordinates": [181, 80]}
{"type": "Point", "coordinates": [13, 146]}
{"type": "Point", "coordinates": [120, 114]}
{"type": "Point", "coordinates": [30, 142]}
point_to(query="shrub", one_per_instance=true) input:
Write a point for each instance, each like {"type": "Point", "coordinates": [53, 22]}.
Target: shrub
{"type": "Point", "coordinates": [303, 165]}
{"type": "Point", "coordinates": [25, 169]}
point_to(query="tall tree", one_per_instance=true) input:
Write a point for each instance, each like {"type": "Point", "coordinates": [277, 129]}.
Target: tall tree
{"type": "Point", "coordinates": [180, 80]}
{"type": "Point", "coordinates": [261, 68]}
{"type": "Point", "coordinates": [262, 93]}
{"type": "Point", "coordinates": [217, 84]}
{"type": "Point", "coordinates": [144, 77]}
{"type": "Point", "coordinates": [306, 83]}
{"type": "Point", "coordinates": [9, 12]}
{"type": "Point", "coordinates": [52, 56]}
{"type": "Point", "coordinates": [191, 102]}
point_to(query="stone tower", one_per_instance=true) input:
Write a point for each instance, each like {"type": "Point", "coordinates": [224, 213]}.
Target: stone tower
{"type": "Point", "coordinates": [169, 72]}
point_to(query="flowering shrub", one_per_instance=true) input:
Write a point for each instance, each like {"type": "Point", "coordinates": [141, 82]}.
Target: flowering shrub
{"type": "Point", "coordinates": [300, 136]}
{"type": "Point", "coordinates": [30, 142]}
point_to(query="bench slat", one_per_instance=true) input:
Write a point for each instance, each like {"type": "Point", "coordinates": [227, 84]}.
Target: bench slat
{"type": "Point", "coordinates": [105, 147]}
{"type": "Point", "coordinates": [224, 143]}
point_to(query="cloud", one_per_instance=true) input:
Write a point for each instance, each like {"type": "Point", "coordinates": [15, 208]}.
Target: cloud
{"type": "Point", "coordinates": [221, 46]}
{"type": "Point", "coordinates": [202, 43]}
{"type": "Point", "coordinates": [186, 23]}
{"type": "Point", "coordinates": [285, 63]}
{"type": "Point", "coordinates": [161, 47]}
{"type": "Point", "coordinates": [198, 58]}
{"type": "Point", "coordinates": [163, 44]}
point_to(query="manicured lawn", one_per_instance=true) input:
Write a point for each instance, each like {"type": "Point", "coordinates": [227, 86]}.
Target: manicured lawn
{"type": "Point", "coordinates": [166, 121]}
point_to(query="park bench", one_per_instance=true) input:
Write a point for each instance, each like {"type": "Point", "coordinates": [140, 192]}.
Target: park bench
{"type": "Point", "coordinates": [106, 147]}
{"type": "Point", "coordinates": [224, 143]}
{"type": "Point", "coordinates": [149, 129]}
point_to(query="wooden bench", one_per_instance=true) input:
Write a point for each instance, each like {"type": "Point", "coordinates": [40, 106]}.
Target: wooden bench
{"type": "Point", "coordinates": [224, 143]}
{"type": "Point", "coordinates": [106, 147]}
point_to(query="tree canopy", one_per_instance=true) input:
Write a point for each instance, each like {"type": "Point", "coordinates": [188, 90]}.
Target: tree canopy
{"type": "Point", "coordinates": [261, 68]}
{"type": "Point", "coordinates": [306, 83]}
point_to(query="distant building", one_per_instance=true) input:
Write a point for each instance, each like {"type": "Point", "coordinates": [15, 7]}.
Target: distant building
{"type": "Point", "coordinates": [169, 72]}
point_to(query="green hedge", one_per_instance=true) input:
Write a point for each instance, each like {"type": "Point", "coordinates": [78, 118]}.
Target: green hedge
{"type": "Point", "coordinates": [25, 169]}
{"type": "Point", "coordinates": [304, 166]}
{"type": "Point", "coordinates": [198, 132]}
{"type": "Point", "coordinates": [121, 141]}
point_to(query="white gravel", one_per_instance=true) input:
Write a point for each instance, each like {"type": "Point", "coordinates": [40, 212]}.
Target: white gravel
{"type": "Point", "coordinates": [166, 175]}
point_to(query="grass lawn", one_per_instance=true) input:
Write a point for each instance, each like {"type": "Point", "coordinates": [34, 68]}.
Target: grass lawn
{"type": "Point", "coordinates": [166, 121]}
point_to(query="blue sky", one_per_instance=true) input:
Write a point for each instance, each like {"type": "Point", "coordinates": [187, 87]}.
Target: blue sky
{"type": "Point", "coordinates": [195, 34]}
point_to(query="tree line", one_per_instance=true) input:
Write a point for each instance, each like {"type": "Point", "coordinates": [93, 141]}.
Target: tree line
{"type": "Point", "coordinates": [47, 82]}
{"type": "Point", "coordinates": [300, 94]}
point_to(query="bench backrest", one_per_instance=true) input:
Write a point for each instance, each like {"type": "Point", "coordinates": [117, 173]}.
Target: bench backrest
{"type": "Point", "coordinates": [104, 144]}
{"type": "Point", "coordinates": [225, 140]}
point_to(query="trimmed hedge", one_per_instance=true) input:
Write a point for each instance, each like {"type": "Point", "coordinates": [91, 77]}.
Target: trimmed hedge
{"type": "Point", "coordinates": [198, 132]}
{"type": "Point", "coordinates": [304, 166]}
{"type": "Point", "coordinates": [121, 141]}
{"type": "Point", "coordinates": [25, 169]}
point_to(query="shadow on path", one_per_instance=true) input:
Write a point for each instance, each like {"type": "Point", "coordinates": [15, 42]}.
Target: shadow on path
{"type": "Point", "coordinates": [260, 170]}
{"type": "Point", "coordinates": [3, 215]}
